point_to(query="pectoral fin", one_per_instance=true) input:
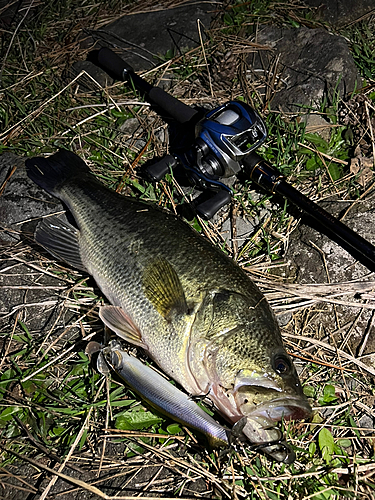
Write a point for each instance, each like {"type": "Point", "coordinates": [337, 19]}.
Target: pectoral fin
{"type": "Point", "coordinates": [119, 322]}
{"type": "Point", "coordinates": [163, 288]}
{"type": "Point", "coordinates": [61, 240]}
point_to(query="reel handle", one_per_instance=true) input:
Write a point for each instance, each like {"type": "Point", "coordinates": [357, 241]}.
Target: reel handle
{"type": "Point", "coordinates": [121, 70]}
{"type": "Point", "coordinates": [206, 209]}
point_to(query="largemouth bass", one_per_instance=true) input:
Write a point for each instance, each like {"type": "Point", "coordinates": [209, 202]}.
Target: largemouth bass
{"type": "Point", "coordinates": [190, 307]}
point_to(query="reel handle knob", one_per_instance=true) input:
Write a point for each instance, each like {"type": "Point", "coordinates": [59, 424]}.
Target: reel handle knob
{"type": "Point", "coordinates": [158, 170]}
{"type": "Point", "coordinates": [208, 208]}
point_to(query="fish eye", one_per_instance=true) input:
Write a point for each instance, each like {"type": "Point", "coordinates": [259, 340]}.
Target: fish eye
{"type": "Point", "coordinates": [282, 365]}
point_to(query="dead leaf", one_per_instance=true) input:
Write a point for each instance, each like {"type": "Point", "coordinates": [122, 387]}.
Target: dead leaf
{"type": "Point", "coordinates": [362, 166]}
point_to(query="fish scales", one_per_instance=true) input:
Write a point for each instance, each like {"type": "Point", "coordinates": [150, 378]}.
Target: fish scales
{"type": "Point", "coordinates": [144, 232]}
{"type": "Point", "coordinates": [193, 310]}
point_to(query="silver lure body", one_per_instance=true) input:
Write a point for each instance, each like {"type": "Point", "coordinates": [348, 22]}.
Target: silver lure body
{"type": "Point", "coordinates": [159, 393]}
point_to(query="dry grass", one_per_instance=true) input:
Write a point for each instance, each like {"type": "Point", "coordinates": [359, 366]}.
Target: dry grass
{"type": "Point", "coordinates": [50, 311]}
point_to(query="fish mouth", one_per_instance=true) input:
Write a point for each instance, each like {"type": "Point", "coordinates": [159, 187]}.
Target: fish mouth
{"type": "Point", "coordinates": [261, 421]}
{"type": "Point", "coordinates": [259, 426]}
{"type": "Point", "coordinates": [287, 408]}
{"type": "Point", "coordinates": [266, 397]}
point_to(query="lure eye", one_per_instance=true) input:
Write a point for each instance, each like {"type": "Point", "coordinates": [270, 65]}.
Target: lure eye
{"type": "Point", "coordinates": [282, 365]}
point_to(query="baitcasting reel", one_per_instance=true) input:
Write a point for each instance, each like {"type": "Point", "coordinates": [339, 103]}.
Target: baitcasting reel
{"type": "Point", "coordinates": [223, 138]}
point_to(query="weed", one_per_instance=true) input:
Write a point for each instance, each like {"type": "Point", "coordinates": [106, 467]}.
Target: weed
{"type": "Point", "coordinates": [54, 406]}
{"type": "Point", "coordinates": [362, 40]}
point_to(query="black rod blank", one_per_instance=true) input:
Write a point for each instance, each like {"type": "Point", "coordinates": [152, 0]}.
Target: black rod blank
{"type": "Point", "coordinates": [270, 179]}
{"type": "Point", "coordinates": [119, 69]}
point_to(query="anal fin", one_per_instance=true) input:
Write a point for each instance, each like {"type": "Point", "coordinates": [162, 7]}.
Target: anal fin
{"type": "Point", "coordinates": [119, 322]}
{"type": "Point", "coordinates": [61, 240]}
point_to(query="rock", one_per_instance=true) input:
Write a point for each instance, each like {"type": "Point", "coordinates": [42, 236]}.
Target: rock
{"type": "Point", "coordinates": [244, 230]}
{"type": "Point", "coordinates": [133, 133]}
{"type": "Point", "coordinates": [130, 126]}
{"type": "Point", "coordinates": [313, 258]}
{"type": "Point", "coordinates": [22, 202]}
{"type": "Point", "coordinates": [142, 38]}
{"type": "Point", "coordinates": [306, 246]}
{"type": "Point", "coordinates": [316, 124]}
{"type": "Point", "coordinates": [341, 12]}
{"type": "Point", "coordinates": [362, 168]}
{"type": "Point", "coordinates": [313, 64]}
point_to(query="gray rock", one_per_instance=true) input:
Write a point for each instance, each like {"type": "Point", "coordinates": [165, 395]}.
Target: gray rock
{"type": "Point", "coordinates": [22, 202]}
{"type": "Point", "coordinates": [308, 263]}
{"type": "Point", "coordinates": [341, 12]}
{"type": "Point", "coordinates": [130, 126]}
{"type": "Point", "coordinates": [313, 64]}
{"type": "Point", "coordinates": [144, 37]}
{"type": "Point", "coordinates": [318, 125]}
{"type": "Point", "coordinates": [366, 421]}
{"type": "Point", "coordinates": [141, 39]}
{"type": "Point", "coordinates": [313, 258]}
{"type": "Point", "coordinates": [244, 230]}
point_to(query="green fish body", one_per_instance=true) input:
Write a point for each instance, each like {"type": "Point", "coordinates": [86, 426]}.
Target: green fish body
{"type": "Point", "coordinates": [188, 305]}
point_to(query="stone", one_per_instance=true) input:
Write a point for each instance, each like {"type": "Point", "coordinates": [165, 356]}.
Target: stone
{"type": "Point", "coordinates": [27, 293]}
{"type": "Point", "coordinates": [316, 124]}
{"type": "Point", "coordinates": [313, 258]}
{"type": "Point", "coordinates": [144, 38]}
{"type": "Point", "coordinates": [307, 245]}
{"type": "Point", "coordinates": [244, 230]}
{"type": "Point", "coordinates": [341, 12]}
{"type": "Point", "coordinates": [304, 244]}
{"type": "Point", "coordinates": [313, 64]}
{"type": "Point", "coordinates": [22, 202]}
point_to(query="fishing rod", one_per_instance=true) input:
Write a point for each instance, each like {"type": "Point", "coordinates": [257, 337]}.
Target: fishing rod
{"type": "Point", "coordinates": [223, 145]}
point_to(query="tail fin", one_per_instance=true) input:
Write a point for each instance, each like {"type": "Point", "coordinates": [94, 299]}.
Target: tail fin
{"type": "Point", "coordinates": [50, 173]}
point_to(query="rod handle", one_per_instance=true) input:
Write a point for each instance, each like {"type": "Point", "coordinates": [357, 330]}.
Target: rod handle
{"type": "Point", "coordinates": [114, 65]}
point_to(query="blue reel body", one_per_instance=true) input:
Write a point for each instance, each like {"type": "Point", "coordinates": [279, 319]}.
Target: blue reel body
{"type": "Point", "coordinates": [223, 138]}
{"type": "Point", "coordinates": [231, 132]}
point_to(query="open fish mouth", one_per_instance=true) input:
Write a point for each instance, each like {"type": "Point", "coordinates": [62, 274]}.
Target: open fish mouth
{"type": "Point", "coordinates": [283, 409]}
{"type": "Point", "coordinates": [264, 397]}
{"type": "Point", "coordinates": [260, 425]}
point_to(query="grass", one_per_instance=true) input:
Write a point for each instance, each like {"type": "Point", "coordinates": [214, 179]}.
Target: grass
{"type": "Point", "coordinates": [56, 411]}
